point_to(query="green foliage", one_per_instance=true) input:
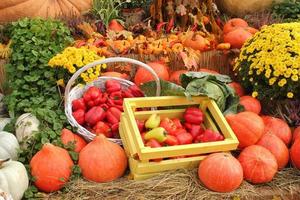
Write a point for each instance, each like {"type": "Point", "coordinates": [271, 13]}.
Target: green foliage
{"type": "Point", "coordinates": [106, 10]}
{"type": "Point", "coordinates": [33, 82]}
{"type": "Point", "coordinates": [136, 3]}
{"type": "Point", "coordinates": [288, 10]}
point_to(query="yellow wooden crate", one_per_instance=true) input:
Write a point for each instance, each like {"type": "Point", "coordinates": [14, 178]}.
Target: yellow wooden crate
{"type": "Point", "coordinates": [213, 119]}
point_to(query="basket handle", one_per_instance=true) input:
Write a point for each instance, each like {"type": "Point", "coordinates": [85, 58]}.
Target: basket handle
{"type": "Point", "coordinates": [111, 60]}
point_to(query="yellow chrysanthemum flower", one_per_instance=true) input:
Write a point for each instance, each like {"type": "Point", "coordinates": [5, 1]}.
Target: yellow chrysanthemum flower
{"type": "Point", "coordinates": [290, 95]}
{"type": "Point", "coordinates": [295, 78]}
{"type": "Point", "coordinates": [254, 94]}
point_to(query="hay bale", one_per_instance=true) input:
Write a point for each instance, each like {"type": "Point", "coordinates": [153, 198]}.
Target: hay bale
{"type": "Point", "coordinates": [180, 184]}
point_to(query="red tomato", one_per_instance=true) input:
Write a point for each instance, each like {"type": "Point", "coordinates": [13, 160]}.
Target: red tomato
{"type": "Point", "coordinates": [185, 138]}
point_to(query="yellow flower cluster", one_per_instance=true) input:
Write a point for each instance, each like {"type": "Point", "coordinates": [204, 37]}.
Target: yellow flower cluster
{"type": "Point", "coordinates": [74, 58]}
{"type": "Point", "coordinates": [271, 60]}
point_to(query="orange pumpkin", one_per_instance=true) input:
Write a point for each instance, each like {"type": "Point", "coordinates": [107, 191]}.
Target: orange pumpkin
{"type": "Point", "coordinates": [175, 76]}
{"type": "Point", "coordinates": [221, 172]}
{"type": "Point", "coordinates": [250, 104]}
{"type": "Point", "coordinates": [102, 160]}
{"type": "Point", "coordinates": [68, 136]}
{"type": "Point", "coordinates": [51, 167]}
{"type": "Point", "coordinates": [251, 30]}
{"type": "Point", "coordinates": [12, 10]}
{"type": "Point", "coordinates": [142, 75]}
{"type": "Point", "coordinates": [237, 37]}
{"type": "Point", "coordinates": [279, 128]}
{"type": "Point", "coordinates": [296, 134]}
{"type": "Point", "coordinates": [233, 24]}
{"type": "Point", "coordinates": [258, 163]}
{"type": "Point", "coordinates": [277, 147]}
{"type": "Point", "coordinates": [239, 90]}
{"type": "Point", "coordinates": [196, 42]}
{"type": "Point", "coordinates": [247, 126]}
{"type": "Point", "coordinates": [295, 154]}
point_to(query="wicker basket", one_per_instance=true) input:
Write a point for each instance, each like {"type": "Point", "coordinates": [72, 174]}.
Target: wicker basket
{"type": "Point", "coordinates": [78, 90]}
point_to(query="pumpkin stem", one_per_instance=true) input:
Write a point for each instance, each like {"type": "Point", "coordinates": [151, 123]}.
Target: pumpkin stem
{"type": "Point", "coordinates": [3, 161]}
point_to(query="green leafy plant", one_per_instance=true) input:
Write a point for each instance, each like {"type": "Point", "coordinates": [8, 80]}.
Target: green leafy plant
{"type": "Point", "coordinates": [33, 82]}
{"type": "Point", "coordinates": [288, 10]}
{"type": "Point", "coordinates": [136, 3]}
{"type": "Point", "coordinates": [106, 10]}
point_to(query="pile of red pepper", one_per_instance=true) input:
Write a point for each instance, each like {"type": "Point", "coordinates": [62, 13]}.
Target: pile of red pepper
{"type": "Point", "coordinates": [158, 132]}
{"type": "Point", "coordinates": [99, 111]}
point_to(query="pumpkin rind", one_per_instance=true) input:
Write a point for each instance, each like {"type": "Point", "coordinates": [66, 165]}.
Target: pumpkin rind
{"type": "Point", "coordinates": [258, 163]}
{"type": "Point", "coordinates": [295, 154]}
{"type": "Point", "coordinates": [68, 137]}
{"type": "Point", "coordinates": [277, 147]}
{"type": "Point", "coordinates": [14, 179]}
{"type": "Point", "coordinates": [250, 104]}
{"type": "Point", "coordinates": [296, 134]}
{"type": "Point", "coordinates": [247, 126]}
{"type": "Point", "coordinates": [51, 167]}
{"type": "Point", "coordinates": [102, 160]}
{"type": "Point", "coordinates": [221, 172]}
{"type": "Point", "coordinates": [8, 146]}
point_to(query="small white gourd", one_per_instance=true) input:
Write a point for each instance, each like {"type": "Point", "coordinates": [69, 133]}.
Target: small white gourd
{"type": "Point", "coordinates": [8, 146]}
{"type": "Point", "coordinates": [13, 178]}
{"type": "Point", "coordinates": [26, 125]}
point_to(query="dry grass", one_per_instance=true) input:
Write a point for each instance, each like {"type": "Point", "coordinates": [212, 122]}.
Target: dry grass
{"type": "Point", "coordinates": [181, 184]}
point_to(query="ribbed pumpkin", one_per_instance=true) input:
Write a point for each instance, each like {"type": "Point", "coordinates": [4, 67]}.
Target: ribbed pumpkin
{"type": "Point", "coordinates": [258, 163]}
{"type": "Point", "coordinates": [102, 160]}
{"type": "Point", "coordinates": [68, 136]}
{"type": "Point", "coordinates": [295, 154]}
{"type": "Point", "coordinates": [11, 10]}
{"type": "Point", "coordinates": [250, 104]}
{"type": "Point", "coordinates": [247, 126]}
{"type": "Point", "coordinates": [278, 127]}
{"type": "Point", "coordinates": [239, 90]}
{"type": "Point", "coordinates": [221, 172]}
{"type": "Point", "coordinates": [51, 167]}
{"type": "Point", "coordinates": [296, 134]}
{"type": "Point", "coordinates": [277, 147]}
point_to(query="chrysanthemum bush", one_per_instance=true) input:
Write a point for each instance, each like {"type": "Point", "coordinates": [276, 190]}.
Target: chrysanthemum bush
{"type": "Point", "coordinates": [73, 58]}
{"type": "Point", "coordinates": [269, 63]}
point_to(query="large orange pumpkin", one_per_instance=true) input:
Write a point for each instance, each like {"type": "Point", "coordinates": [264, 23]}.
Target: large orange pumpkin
{"type": "Point", "coordinates": [250, 104]}
{"type": "Point", "coordinates": [175, 76]}
{"type": "Point", "coordinates": [11, 10]}
{"type": "Point", "coordinates": [233, 24]}
{"type": "Point", "coordinates": [221, 172]}
{"type": "Point", "coordinates": [239, 90]}
{"type": "Point", "coordinates": [237, 37]}
{"type": "Point", "coordinates": [68, 137]}
{"type": "Point", "coordinates": [277, 147]}
{"type": "Point", "coordinates": [296, 134]}
{"type": "Point", "coordinates": [258, 163]}
{"type": "Point", "coordinates": [247, 126]}
{"type": "Point", "coordinates": [142, 75]}
{"type": "Point", "coordinates": [278, 127]}
{"type": "Point", "coordinates": [102, 160]}
{"type": "Point", "coordinates": [295, 154]}
{"type": "Point", "coordinates": [51, 167]}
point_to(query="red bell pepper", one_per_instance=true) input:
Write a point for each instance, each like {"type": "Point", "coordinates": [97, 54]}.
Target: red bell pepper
{"type": "Point", "coordinates": [143, 137]}
{"type": "Point", "coordinates": [102, 128]}
{"type": "Point", "coordinates": [116, 97]}
{"type": "Point", "coordinates": [94, 115]}
{"type": "Point", "coordinates": [177, 123]}
{"type": "Point", "coordinates": [185, 138]}
{"type": "Point", "coordinates": [104, 106]}
{"type": "Point", "coordinates": [79, 116]}
{"type": "Point", "coordinates": [78, 104]}
{"type": "Point", "coordinates": [193, 115]}
{"type": "Point", "coordinates": [112, 86]}
{"type": "Point", "coordinates": [178, 132]}
{"type": "Point", "coordinates": [141, 125]}
{"type": "Point", "coordinates": [113, 115]}
{"type": "Point", "coordinates": [210, 136]}
{"type": "Point", "coordinates": [154, 144]}
{"type": "Point", "coordinates": [136, 91]}
{"type": "Point", "coordinates": [168, 125]}
{"type": "Point", "coordinates": [171, 140]}
{"type": "Point", "coordinates": [93, 97]}
{"type": "Point", "coordinates": [115, 130]}
{"type": "Point", "coordinates": [194, 130]}
{"type": "Point", "coordinates": [127, 94]}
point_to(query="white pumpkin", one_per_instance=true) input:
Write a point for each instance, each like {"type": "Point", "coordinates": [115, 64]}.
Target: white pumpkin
{"type": "Point", "coordinates": [8, 146]}
{"type": "Point", "coordinates": [25, 126]}
{"type": "Point", "coordinates": [13, 178]}
{"type": "Point", "coordinates": [4, 122]}
{"type": "Point", "coordinates": [242, 7]}
{"type": "Point", "coordinates": [5, 195]}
